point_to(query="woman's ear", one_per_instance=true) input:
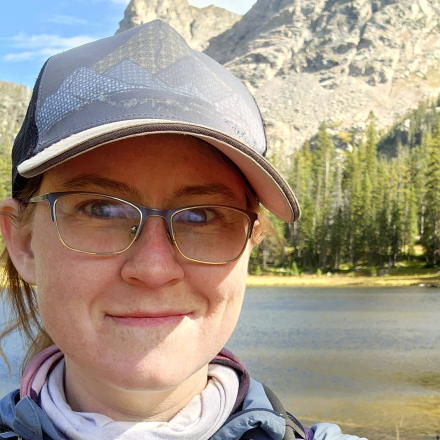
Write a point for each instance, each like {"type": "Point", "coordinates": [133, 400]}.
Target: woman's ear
{"type": "Point", "coordinates": [17, 239]}
{"type": "Point", "coordinates": [257, 233]}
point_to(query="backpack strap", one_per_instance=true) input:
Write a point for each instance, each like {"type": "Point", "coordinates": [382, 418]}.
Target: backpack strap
{"type": "Point", "coordinates": [7, 434]}
{"type": "Point", "coordinates": [294, 429]}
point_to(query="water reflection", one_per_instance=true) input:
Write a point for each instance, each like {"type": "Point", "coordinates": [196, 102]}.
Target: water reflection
{"type": "Point", "coordinates": [365, 358]}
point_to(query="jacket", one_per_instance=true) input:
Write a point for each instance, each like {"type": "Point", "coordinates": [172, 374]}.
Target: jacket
{"type": "Point", "coordinates": [257, 415]}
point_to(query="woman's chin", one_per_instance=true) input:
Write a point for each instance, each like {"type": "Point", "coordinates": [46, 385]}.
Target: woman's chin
{"type": "Point", "coordinates": [151, 372]}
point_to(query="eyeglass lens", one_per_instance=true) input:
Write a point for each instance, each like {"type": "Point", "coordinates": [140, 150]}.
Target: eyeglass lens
{"type": "Point", "coordinates": [104, 225]}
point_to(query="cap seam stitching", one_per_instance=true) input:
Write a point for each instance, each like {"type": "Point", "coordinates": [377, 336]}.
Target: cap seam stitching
{"type": "Point", "coordinates": [39, 92]}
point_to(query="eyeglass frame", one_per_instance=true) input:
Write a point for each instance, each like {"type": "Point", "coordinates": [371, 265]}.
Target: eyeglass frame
{"type": "Point", "coordinates": [145, 213]}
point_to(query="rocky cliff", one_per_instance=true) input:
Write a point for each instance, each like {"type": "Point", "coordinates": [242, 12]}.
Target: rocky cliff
{"type": "Point", "coordinates": [309, 61]}
{"type": "Point", "coordinates": [14, 100]}
{"type": "Point", "coordinates": [197, 25]}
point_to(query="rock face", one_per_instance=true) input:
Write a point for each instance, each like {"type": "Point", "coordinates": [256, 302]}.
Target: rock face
{"type": "Point", "coordinates": [14, 100]}
{"type": "Point", "coordinates": [196, 25]}
{"type": "Point", "coordinates": [376, 40]}
{"type": "Point", "coordinates": [308, 61]}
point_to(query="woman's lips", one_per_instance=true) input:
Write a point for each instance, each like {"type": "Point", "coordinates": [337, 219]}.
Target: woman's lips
{"type": "Point", "coordinates": [149, 320]}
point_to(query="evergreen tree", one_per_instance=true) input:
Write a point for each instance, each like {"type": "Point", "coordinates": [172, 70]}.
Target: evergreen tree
{"type": "Point", "coordinates": [383, 213]}
{"type": "Point", "coordinates": [355, 210]}
{"type": "Point", "coordinates": [302, 181]}
{"type": "Point", "coordinates": [431, 232]}
{"type": "Point", "coordinates": [407, 201]}
{"type": "Point", "coordinates": [324, 168]}
{"type": "Point", "coordinates": [371, 147]}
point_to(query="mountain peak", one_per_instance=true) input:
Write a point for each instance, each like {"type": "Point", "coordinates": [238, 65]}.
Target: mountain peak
{"type": "Point", "coordinates": [308, 61]}
{"type": "Point", "coordinates": [196, 25]}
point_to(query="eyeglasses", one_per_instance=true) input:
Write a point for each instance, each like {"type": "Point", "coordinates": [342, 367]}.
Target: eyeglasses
{"type": "Point", "coordinates": [99, 224]}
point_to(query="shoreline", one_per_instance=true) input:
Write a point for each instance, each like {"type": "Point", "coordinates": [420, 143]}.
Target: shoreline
{"type": "Point", "coordinates": [343, 281]}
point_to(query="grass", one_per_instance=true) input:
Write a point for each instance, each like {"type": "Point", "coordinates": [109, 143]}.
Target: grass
{"type": "Point", "coordinates": [402, 275]}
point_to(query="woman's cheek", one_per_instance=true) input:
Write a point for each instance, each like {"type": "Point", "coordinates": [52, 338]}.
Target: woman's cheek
{"type": "Point", "coordinates": [225, 307]}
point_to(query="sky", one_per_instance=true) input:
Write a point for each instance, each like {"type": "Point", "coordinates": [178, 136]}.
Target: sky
{"type": "Point", "coordinates": [33, 30]}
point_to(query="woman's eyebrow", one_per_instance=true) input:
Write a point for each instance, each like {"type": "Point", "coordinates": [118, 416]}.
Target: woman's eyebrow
{"type": "Point", "coordinates": [80, 183]}
{"type": "Point", "coordinates": [89, 180]}
{"type": "Point", "coordinates": [213, 189]}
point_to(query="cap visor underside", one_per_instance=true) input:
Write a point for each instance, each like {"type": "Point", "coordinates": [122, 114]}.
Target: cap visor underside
{"type": "Point", "coordinates": [271, 188]}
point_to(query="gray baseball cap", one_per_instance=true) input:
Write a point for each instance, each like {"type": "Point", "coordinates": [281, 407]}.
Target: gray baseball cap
{"type": "Point", "coordinates": [143, 81]}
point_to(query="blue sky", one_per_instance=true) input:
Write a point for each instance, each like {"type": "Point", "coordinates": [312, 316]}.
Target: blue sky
{"type": "Point", "coordinates": [33, 30]}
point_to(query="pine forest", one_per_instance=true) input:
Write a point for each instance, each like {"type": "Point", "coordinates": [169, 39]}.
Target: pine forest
{"type": "Point", "coordinates": [365, 207]}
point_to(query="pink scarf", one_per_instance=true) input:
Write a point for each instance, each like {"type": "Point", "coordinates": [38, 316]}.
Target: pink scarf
{"type": "Point", "coordinates": [36, 372]}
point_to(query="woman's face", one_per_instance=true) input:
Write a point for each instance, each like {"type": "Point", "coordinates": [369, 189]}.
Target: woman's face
{"type": "Point", "coordinates": [94, 307]}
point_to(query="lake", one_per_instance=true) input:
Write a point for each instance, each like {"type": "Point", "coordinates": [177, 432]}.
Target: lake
{"type": "Point", "coordinates": [365, 358]}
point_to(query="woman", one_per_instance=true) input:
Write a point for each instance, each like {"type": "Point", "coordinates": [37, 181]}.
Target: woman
{"type": "Point", "coordinates": [137, 178]}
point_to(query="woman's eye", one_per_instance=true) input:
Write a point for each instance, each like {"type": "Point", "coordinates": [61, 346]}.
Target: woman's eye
{"type": "Point", "coordinates": [104, 210]}
{"type": "Point", "coordinates": [195, 216]}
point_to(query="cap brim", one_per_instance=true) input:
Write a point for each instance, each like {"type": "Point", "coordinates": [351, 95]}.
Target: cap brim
{"type": "Point", "coordinates": [271, 188]}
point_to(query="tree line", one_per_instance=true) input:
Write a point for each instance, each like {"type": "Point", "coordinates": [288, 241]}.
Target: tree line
{"type": "Point", "coordinates": [370, 206]}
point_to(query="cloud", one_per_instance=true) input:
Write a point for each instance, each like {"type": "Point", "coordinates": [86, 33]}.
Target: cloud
{"type": "Point", "coordinates": [23, 40]}
{"type": "Point", "coordinates": [42, 46]}
{"type": "Point", "coordinates": [69, 20]}
{"type": "Point", "coordinates": [23, 56]}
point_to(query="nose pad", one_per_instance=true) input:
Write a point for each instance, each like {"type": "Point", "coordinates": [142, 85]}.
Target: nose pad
{"type": "Point", "coordinates": [135, 229]}
{"type": "Point", "coordinates": [153, 260]}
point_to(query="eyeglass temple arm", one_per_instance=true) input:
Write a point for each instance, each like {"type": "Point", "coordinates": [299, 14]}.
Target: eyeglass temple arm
{"type": "Point", "coordinates": [44, 198]}
{"type": "Point", "coordinates": [36, 199]}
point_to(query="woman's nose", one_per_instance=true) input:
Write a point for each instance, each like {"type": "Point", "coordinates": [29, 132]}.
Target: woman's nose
{"type": "Point", "coordinates": [153, 260]}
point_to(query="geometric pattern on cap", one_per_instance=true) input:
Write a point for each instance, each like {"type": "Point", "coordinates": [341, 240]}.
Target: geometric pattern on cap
{"type": "Point", "coordinates": [164, 47]}
{"type": "Point", "coordinates": [157, 58]}
{"type": "Point", "coordinates": [83, 86]}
